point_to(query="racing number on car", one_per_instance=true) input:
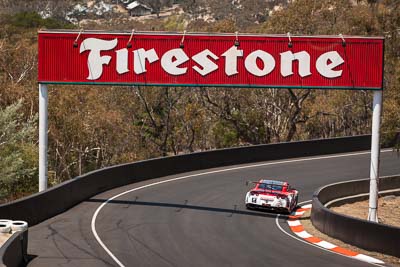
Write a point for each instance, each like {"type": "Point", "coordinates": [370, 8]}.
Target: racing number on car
{"type": "Point", "coordinates": [254, 200]}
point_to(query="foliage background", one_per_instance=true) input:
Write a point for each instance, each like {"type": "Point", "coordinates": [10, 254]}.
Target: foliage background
{"type": "Point", "coordinates": [94, 127]}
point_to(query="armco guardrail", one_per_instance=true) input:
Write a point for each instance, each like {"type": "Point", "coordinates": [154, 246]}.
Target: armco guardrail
{"type": "Point", "coordinates": [14, 252]}
{"type": "Point", "coordinates": [58, 199]}
{"type": "Point", "coordinates": [361, 233]}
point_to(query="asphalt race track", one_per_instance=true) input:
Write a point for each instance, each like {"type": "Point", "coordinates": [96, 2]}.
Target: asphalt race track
{"type": "Point", "coordinates": [199, 220]}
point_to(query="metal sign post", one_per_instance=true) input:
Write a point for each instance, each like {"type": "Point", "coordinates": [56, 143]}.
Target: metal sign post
{"type": "Point", "coordinates": [375, 153]}
{"type": "Point", "coordinates": [43, 102]}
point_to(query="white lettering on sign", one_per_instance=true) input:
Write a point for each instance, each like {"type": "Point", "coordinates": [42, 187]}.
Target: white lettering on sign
{"type": "Point", "coordinates": [287, 59]}
{"type": "Point", "coordinates": [172, 60]}
{"type": "Point", "coordinates": [122, 63]}
{"type": "Point", "coordinates": [251, 63]}
{"type": "Point", "coordinates": [95, 60]}
{"type": "Point", "coordinates": [327, 62]}
{"type": "Point", "coordinates": [231, 56]}
{"type": "Point", "coordinates": [207, 64]}
{"type": "Point", "coordinates": [140, 56]}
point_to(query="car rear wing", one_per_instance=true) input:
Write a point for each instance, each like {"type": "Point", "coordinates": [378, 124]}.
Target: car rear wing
{"type": "Point", "coordinates": [258, 182]}
{"type": "Point", "coordinates": [271, 184]}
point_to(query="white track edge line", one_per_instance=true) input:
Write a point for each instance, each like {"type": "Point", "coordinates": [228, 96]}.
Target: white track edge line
{"type": "Point", "coordinates": [93, 222]}
{"type": "Point", "coordinates": [311, 244]}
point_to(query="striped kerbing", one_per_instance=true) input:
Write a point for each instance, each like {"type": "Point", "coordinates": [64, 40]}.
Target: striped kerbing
{"type": "Point", "coordinates": [298, 229]}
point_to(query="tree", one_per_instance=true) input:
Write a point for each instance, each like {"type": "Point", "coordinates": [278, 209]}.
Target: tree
{"type": "Point", "coordinates": [307, 17]}
{"type": "Point", "coordinates": [157, 5]}
{"type": "Point", "coordinates": [256, 116]}
{"type": "Point", "coordinates": [88, 130]}
{"type": "Point", "coordinates": [55, 9]}
{"type": "Point", "coordinates": [18, 152]}
{"type": "Point", "coordinates": [388, 14]}
{"type": "Point", "coordinates": [156, 120]}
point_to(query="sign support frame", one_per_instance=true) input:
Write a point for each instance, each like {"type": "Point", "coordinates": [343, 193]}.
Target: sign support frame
{"type": "Point", "coordinates": [43, 136]}
{"type": "Point", "coordinates": [375, 157]}
{"type": "Point", "coordinates": [375, 147]}
{"type": "Point", "coordinates": [175, 38]}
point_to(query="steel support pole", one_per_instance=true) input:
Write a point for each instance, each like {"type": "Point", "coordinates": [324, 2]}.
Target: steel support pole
{"type": "Point", "coordinates": [43, 102]}
{"type": "Point", "coordinates": [375, 153]}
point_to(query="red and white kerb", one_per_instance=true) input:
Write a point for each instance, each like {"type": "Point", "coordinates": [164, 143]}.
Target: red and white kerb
{"type": "Point", "coordinates": [297, 228]}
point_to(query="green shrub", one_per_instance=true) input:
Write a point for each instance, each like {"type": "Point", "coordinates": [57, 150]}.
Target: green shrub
{"type": "Point", "coordinates": [34, 20]}
{"type": "Point", "coordinates": [18, 153]}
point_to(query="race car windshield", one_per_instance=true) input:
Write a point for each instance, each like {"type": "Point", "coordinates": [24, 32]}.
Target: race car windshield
{"type": "Point", "coordinates": [274, 187]}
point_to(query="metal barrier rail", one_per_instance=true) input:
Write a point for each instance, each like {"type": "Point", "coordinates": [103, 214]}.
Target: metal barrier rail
{"type": "Point", "coordinates": [14, 252]}
{"type": "Point", "coordinates": [361, 233]}
{"type": "Point", "coordinates": [44, 205]}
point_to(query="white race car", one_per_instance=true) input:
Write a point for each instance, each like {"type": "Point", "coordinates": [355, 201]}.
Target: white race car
{"type": "Point", "coordinates": [272, 195]}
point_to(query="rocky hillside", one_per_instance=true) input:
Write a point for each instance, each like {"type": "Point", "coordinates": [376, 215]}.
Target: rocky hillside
{"type": "Point", "coordinates": [87, 12]}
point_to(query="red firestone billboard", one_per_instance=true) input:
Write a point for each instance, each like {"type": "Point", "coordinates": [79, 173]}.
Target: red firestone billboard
{"type": "Point", "coordinates": [201, 59]}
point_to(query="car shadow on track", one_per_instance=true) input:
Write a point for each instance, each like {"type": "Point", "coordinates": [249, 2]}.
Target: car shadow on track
{"type": "Point", "coordinates": [179, 207]}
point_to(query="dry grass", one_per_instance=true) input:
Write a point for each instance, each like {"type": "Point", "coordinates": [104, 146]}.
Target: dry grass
{"type": "Point", "coordinates": [388, 210]}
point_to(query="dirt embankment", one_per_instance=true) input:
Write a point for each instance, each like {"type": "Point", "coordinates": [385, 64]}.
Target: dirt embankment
{"type": "Point", "coordinates": [388, 210]}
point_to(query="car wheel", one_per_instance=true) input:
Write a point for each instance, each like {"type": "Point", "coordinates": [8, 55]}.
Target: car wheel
{"type": "Point", "coordinates": [294, 207]}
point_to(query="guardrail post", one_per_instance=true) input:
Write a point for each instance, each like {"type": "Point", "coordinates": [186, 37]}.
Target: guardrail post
{"type": "Point", "coordinates": [43, 125]}
{"type": "Point", "coordinates": [375, 153]}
